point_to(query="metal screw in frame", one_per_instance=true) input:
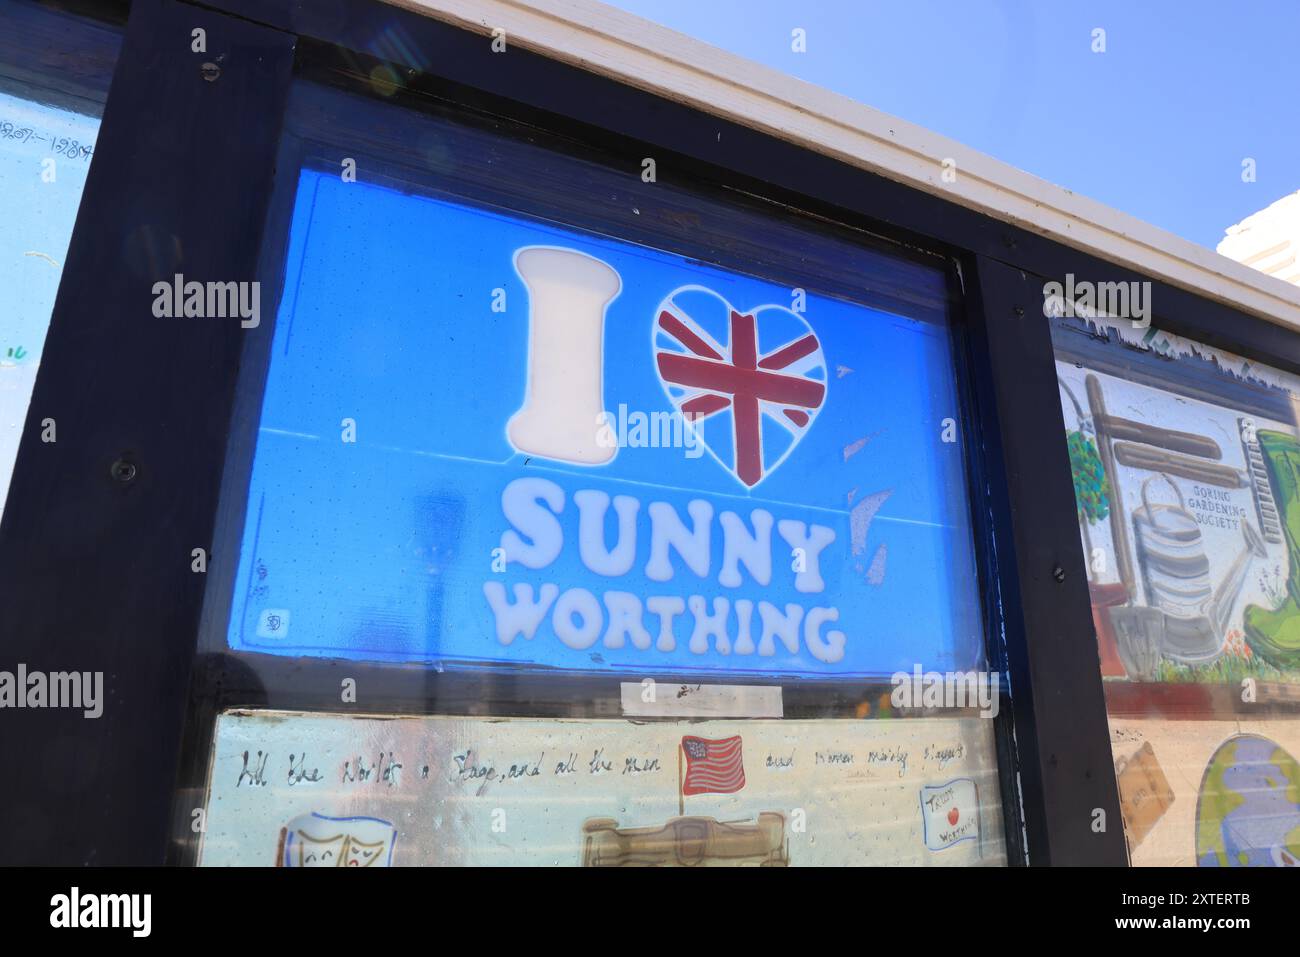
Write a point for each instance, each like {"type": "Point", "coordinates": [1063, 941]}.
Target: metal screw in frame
{"type": "Point", "coordinates": [123, 470]}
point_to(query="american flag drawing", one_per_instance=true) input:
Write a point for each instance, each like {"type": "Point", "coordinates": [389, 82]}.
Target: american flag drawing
{"type": "Point", "coordinates": [784, 386]}
{"type": "Point", "coordinates": [715, 767]}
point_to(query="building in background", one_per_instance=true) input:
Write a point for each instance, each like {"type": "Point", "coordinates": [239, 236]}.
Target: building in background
{"type": "Point", "coordinates": [1268, 240]}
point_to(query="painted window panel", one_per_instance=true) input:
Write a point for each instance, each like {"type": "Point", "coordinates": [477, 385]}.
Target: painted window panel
{"type": "Point", "coordinates": [453, 414]}
{"type": "Point", "coordinates": [49, 119]}
{"type": "Point", "coordinates": [1185, 463]}
{"type": "Point", "coordinates": [435, 791]}
{"type": "Point", "coordinates": [623, 500]}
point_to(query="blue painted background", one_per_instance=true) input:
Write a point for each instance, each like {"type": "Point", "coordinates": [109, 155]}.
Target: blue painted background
{"type": "Point", "coordinates": [379, 550]}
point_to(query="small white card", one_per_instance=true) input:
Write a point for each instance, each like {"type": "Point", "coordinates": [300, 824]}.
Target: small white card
{"type": "Point", "coordinates": [950, 813]}
{"type": "Point", "coordinates": [678, 699]}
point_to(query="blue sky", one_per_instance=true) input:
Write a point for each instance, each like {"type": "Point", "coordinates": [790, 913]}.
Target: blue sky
{"type": "Point", "coordinates": [1156, 126]}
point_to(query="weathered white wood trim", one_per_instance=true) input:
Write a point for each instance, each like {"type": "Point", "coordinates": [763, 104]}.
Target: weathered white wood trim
{"type": "Point", "coordinates": [610, 42]}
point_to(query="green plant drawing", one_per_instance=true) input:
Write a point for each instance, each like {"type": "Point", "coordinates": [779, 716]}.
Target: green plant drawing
{"type": "Point", "coordinates": [1091, 486]}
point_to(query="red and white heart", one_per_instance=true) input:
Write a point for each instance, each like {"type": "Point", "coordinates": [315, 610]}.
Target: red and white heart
{"type": "Point", "coordinates": [749, 384]}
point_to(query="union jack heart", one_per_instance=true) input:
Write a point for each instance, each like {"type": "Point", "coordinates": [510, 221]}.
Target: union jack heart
{"type": "Point", "coordinates": [750, 382]}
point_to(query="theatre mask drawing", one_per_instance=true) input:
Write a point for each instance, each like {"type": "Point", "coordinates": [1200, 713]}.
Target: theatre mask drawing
{"type": "Point", "coordinates": [1186, 467]}
{"type": "Point", "coordinates": [590, 455]}
{"type": "Point", "coordinates": [317, 840]}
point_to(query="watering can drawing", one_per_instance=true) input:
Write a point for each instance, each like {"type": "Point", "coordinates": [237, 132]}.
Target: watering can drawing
{"type": "Point", "coordinates": [1176, 573]}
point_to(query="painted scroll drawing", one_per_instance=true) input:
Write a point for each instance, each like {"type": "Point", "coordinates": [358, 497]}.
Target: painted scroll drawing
{"type": "Point", "coordinates": [686, 842]}
{"type": "Point", "coordinates": [322, 790]}
{"type": "Point", "coordinates": [1189, 512]}
{"type": "Point", "coordinates": [1209, 793]}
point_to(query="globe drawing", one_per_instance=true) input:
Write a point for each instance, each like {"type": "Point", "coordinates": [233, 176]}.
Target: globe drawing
{"type": "Point", "coordinates": [1248, 810]}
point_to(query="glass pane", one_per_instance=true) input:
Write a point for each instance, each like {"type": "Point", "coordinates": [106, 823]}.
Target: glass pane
{"type": "Point", "coordinates": [673, 481]}
{"type": "Point", "coordinates": [48, 125]}
{"type": "Point", "coordinates": [1185, 462]}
